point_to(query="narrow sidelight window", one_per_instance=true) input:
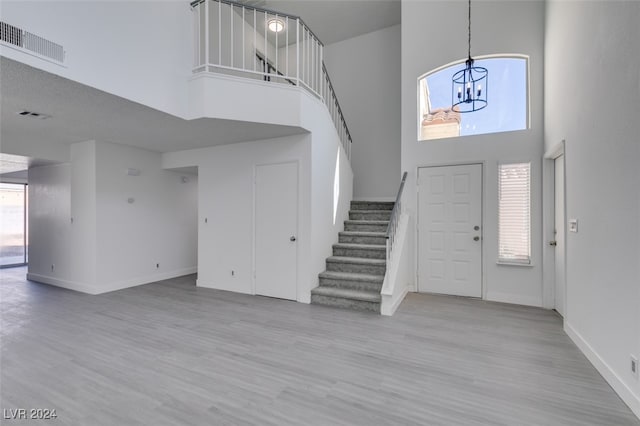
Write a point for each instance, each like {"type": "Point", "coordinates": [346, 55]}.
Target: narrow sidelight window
{"type": "Point", "coordinates": [514, 213]}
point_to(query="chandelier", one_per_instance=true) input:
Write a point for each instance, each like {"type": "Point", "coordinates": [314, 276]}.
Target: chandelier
{"type": "Point", "coordinates": [469, 85]}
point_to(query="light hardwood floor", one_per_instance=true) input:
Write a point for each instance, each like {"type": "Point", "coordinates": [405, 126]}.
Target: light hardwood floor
{"type": "Point", "coordinates": [169, 353]}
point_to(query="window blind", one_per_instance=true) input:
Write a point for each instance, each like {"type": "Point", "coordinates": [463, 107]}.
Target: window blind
{"type": "Point", "coordinates": [514, 213]}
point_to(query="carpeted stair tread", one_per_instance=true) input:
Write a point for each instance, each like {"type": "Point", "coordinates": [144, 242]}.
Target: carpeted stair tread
{"type": "Point", "coordinates": [355, 273]}
{"type": "Point", "coordinates": [372, 205]}
{"type": "Point", "coordinates": [351, 276]}
{"type": "Point", "coordinates": [367, 222]}
{"type": "Point", "coordinates": [360, 260]}
{"type": "Point", "coordinates": [363, 237]}
{"type": "Point", "coordinates": [365, 296]}
{"type": "Point", "coordinates": [371, 211]}
{"type": "Point", "coordinates": [360, 246]}
{"type": "Point", "coordinates": [364, 233]}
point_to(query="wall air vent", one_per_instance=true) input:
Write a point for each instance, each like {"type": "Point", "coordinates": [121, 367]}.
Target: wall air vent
{"type": "Point", "coordinates": [32, 114]}
{"type": "Point", "coordinates": [24, 40]}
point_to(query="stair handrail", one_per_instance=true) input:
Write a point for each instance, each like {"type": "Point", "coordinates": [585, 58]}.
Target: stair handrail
{"type": "Point", "coordinates": [309, 70]}
{"type": "Point", "coordinates": [395, 218]}
{"type": "Point", "coordinates": [336, 114]}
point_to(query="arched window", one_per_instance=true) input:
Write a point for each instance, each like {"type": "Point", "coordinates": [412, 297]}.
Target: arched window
{"type": "Point", "coordinates": [508, 100]}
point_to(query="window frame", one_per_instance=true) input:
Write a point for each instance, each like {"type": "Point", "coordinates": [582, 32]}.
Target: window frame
{"type": "Point", "coordinates": [516, 261]}
{"type": "Point", "coordinates": [462, 61]}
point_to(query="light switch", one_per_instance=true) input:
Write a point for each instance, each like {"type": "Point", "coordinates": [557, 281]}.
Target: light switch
{"type": "Point", "coordinates": [573, 225]}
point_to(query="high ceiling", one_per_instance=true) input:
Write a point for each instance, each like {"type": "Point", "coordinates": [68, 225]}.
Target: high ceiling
{"type": "Point", "coordinates": [337, 20]}
{"type": "Point", "coordinates": [80, 113]}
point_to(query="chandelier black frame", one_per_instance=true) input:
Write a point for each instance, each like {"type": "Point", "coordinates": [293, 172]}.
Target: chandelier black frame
{"type": "Point", "coordinates": [469, 85]}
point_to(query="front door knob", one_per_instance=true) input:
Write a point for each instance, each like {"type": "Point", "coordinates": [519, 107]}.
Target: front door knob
{"type": "Point", "coordinates": [292, 238]}
{"type": "Point", "coordinates": [553, 243]}
{"type": "Point", "coordinates": [476, 238]}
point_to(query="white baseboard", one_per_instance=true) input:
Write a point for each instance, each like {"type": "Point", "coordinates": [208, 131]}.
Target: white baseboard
{"type": "Point", "coordinates": [390, 308]}
{"type": "Point", "coordinates": [621, 388]}
{"type": "Point", "coordinates": [106, 288]}
{"type": "Point", "coordinates": [234, 289]}
{"type": "Point", "coordinates": [120, 285]}
{"type": "Point", "coordinates": [305, 298]}
{"type": "Point", "coordinates": [514, 299]}
{"type": "Point", "coordinates": [219, 286]}
{"type": "Point", "coordinates": [69, 285]}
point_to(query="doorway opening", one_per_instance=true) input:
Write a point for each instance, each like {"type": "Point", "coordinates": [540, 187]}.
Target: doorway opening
{"type": "Point", "coordinates": [14, 226]}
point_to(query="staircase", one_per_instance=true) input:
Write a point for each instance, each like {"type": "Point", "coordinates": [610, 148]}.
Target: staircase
{"type": "Point", "coordinates": [355, 272]}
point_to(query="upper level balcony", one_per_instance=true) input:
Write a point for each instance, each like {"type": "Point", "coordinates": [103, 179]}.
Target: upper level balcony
{"type": "Point", "coordinates": [215, 62]}
{"type": "Point", "coordinates": [237, 46]}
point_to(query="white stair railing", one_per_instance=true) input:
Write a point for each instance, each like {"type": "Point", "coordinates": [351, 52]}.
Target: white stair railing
{"type": "Point", "coordinates": [395, 218]}
{"type": "Point", "coordinates": [236, 39]}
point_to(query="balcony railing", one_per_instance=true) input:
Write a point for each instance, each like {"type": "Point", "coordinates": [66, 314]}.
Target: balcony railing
{"type": "Point", "coordinates": [234, 39]}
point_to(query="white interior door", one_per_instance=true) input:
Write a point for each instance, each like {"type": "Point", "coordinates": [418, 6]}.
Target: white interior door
{"type": "Point", "coordinates": [560, 280]}
{"type": "Point", "coordinates": [276, 226]}
{"type": "Point", "coordinates": [450, 230]}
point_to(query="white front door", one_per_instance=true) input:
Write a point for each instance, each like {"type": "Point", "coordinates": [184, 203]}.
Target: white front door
{"type": "Point", "coordinates": [450, 230]}
{"type": "Point", "coordinates": [560, 301]}
{"type": "Point", "coordinates": [276, 226]}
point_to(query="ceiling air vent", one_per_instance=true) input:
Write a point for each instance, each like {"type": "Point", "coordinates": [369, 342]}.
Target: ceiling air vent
{"type": "Point", "coordinates": [16, 36]}
{"type": "Point", "coordinates": [32, 114]}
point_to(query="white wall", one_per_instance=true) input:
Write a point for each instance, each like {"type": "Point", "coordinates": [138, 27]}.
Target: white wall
{"type": "Point", "coordinates": [242, 99]}
{"type": "Point", "coordinates": [602, 176]}
{"type": "Point", "coordinates": [83, 216]}
{"type": "Point", "coordinates": [158, 228]}
{"type": "Point", "coordinates": [62, 221]}
{"type": "Point", "coordinates": [433, 34]}
{"type": "Point", "coordinates": [81, 222]}
{"type": "Point", "coordinates": [49, 221]}
{"type": "Point", "coordinates": [226, 191]}
{"type": "Point", "coordinates": [226, 194]}
{"type": "Point", "coordinates": [331, 191]}
{"type": "Point", "coordinates": [399, 277]}
{"type": "Point", "coordinates": [365, 72]}
{"type": "Point", "coordinates": [141, 51]}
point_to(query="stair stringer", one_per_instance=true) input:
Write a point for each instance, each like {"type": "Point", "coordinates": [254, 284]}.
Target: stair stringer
{"type": "Point", "coordinates": [398, 278]}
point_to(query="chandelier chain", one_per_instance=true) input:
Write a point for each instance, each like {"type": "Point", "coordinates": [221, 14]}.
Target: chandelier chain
{"type": "Point", "coordinates": [469, 29]}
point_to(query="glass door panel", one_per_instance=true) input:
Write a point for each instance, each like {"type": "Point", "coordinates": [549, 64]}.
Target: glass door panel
{"type": "Point", "coordinates": [13, 236]}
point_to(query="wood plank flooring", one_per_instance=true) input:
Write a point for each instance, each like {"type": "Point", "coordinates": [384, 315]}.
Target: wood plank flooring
{"type": "Point", "coordinates": [169, 353]}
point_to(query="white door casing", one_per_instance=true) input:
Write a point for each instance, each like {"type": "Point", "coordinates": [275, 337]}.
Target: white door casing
{"type": "Point", "coordinates": [559, 237]}
{"type": "Point", "coordinates": [450, 230]}
{"type": "Point", "coordinates": [276, 227]}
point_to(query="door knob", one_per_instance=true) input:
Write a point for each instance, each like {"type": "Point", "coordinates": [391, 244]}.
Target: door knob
{"type": "Point", "coordinates": [292, 238]}
{"type": "Point", "coordinates": [476, 228]}
{"type": "Point", "coordinates": [476, 238]}
{"type": "Point", "coordinates": [553, 243]}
